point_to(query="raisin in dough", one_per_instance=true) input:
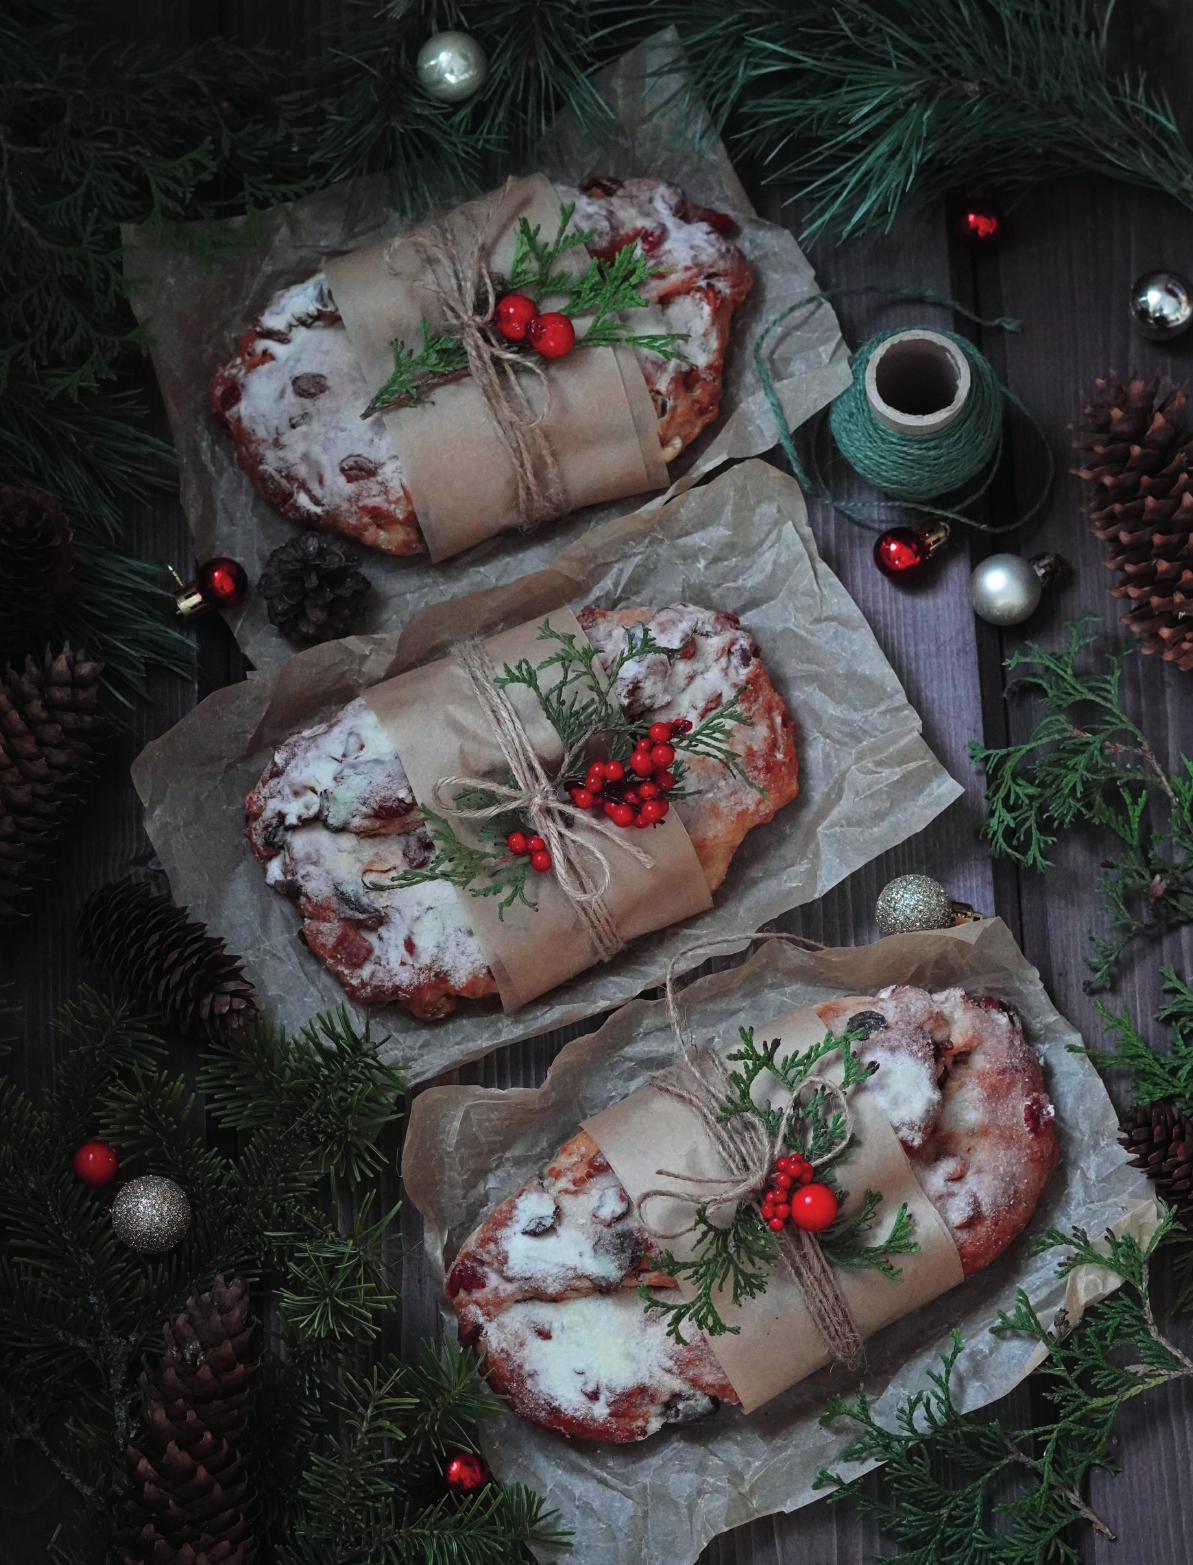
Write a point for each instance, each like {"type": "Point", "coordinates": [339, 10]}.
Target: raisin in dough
{"type": "Point", "coordinates": [546, 1286]}
{"type": "Point", "coordinates": [334, 809]}
{"type": "Point", "coordinates": [292, 395]}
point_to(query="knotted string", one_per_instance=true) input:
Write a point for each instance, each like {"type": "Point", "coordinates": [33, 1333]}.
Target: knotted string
{"type": "Point", "coordinates": [580, 866]}
{"type": "Point", "coordinates": [700, 1081]}
{"type": "Point", "coordinates": [460, 279]}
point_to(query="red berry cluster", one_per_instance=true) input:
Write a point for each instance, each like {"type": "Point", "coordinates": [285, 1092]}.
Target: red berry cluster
{"type": "Point", "coordinates": [518, 320]}
{"type": "Point", "coordinates": [519, 843]}
{"type": "Point", "coordinates": [631, 793]}
{"type": "Point", "coordinates": [797, 1197]}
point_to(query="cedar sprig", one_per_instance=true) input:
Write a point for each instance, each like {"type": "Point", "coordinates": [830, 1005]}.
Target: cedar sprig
{"type": "Point", "coordinates": [738, 1256]}
{"type": "Point", "coordinates": [483, 871]}
{"type": "Point", "coordinates": [1086, 762]}
{"type": "Point", "coordinates": [940, 1491]}
{"type": "Point", "coordinates": [441, 359]}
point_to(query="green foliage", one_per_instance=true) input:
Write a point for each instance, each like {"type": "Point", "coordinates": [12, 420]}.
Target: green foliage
{"type": "Point", "coordinates": [440, 359]}
{"type": "Point", "coordinates": [1086, 763]}
{"type": "Point", "coordinates": [941, 1494]}
{"type": "Point", "coordinates": [737, 1256]}
{"type": "Point", "coordinates": [1154, 1077]}
{"type": "Point", "coordinates": [484, 871]}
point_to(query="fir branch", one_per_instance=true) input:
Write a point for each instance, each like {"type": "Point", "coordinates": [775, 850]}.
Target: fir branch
{"type": "Point", "coordinates": [1097, 768]}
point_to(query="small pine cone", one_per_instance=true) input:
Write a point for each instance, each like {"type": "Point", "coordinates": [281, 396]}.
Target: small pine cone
{"type": "Point", "coordinates": [143, 946]}
{"type": "Point", "coordinates": [312, 589]}
{"type": "Point", "coordinates": [1160, 1138]}
{"type": "Point", "coordinates": [190, 1495]}
{"type": "Point", "coordinates": [1140, 463]}
{"type": "Point", "coordinates": [39, 560]}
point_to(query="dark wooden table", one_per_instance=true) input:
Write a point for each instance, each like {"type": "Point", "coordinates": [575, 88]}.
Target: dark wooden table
{"type": "Point", "coordinates": [1070, 253]}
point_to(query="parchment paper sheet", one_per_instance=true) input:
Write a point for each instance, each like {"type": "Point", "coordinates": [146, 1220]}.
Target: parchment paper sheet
{"type": "Point", "coordinates": [196, 313]}
{"type": "Point", "coordinates": [659, 1502]}
{"type": "Point", "coordinates": [742, 542]}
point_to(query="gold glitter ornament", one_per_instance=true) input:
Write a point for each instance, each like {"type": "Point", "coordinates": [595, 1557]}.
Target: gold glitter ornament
{"type": "Point", "coordinates": [151, 1214]}
{"type": "Point", "coordinates": [913, 902]}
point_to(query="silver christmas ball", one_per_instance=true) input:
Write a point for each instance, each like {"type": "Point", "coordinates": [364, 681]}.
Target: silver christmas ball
{"type": "Point", "coordinates": [913, 902]}
{"type": "Point", "coordinates": [1161, 305]}
{"type": "Point", "coordinates": [452, 66]}
{"type": "Point", "coordinates": [1005, 589]}
{"type": "Point", "coordinates": [151, 1214]}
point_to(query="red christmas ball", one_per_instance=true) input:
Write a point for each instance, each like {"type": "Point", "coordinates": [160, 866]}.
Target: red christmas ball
{"type": "Point", "coordinates": [465, 1473]}
{"type": "Point", "coordinates": [552, 335]}
{"type": "Point", "coordinates": [513, 316]}
{"type": "Point", "coordinates": [95, 1163]}
{"type": "Point", "coordinates": [813, 1207]}
{"type": "Point", "coordinates": [902, 552]}
{"type": "Point", "coordinates": [979, 224]}
{"type": "Point", "coordinates": [223, 582]}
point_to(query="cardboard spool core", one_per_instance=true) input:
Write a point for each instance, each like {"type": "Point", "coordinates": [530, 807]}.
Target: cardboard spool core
{"type": "Point", "coordinates": [917, 382]}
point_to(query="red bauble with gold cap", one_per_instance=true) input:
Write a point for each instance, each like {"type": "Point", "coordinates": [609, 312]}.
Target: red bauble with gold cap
{"type": "Point", "coordinates": [221, 583]}
{"type": "Point", "coordinates": [902, 552]}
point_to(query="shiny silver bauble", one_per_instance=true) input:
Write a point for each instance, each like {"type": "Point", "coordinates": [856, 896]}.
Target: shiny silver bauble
{"type": "Point", "coordinates": [1161, 305]}
{"type": "Point", "coordinates": [1005, 589]}
{"type": "Point", "coordinates": [452, 66]}
{"type": "Point", "coordinates": [151, 1214]}
{"type": "Point", "coordinates": [913, 902]}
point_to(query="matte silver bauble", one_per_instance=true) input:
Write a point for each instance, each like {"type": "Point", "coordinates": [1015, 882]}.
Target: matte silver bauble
{"type": "Point", "coordinates": [913, 902]}
{"type": "Point", "coordinates": [452, 66]}
{"type": "Point", "coordinates": [1005, 589]}
{"type": "Point", "coordinates": [1161, 305]}
{"type": "Point", "coordinates": [151, 1214]}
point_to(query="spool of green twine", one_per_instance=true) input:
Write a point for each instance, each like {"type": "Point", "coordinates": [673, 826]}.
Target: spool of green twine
{"type": "Point", "coordinates": [918, 467]}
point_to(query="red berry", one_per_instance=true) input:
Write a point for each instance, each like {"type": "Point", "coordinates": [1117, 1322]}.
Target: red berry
{"type": "Point", "coordinates": [776, 1225]}
{"type": "Point", "coordinates": [641, 820]}
{"type": "Point", "coordinates": [662, 755]}
{"type": "Point", "coordinates": [622, 815]}
{"type": "Point", "coordinates": [664, 781]}
{"type": "Point", "coordinates": [632, 796]}
{"type": "Point", "coordinates": [641, 763]}
{"type": "Point", "coordinates": [654, 810]}
{"type": "Point", "coordinates": [651, 238]}
{"type": "Point", "coordinates": [782, 1209]}
{"type": "Point", "coordinates": [648, 791]}
{"type": "Point", "coordinates": [582, 798]}
{"type": "Point", "coordinates": [661, 732]}
{"type": "Point", "coordinates": [807, 1174]}
{"type": "Point", "coordinates": [513, 316]}
{"type": "Point", "coordinates": [813, 1208]}
{"type": "Point", "coordinates": [540, 861]}
{"type": "Point", "coordinates": [552, 335]}
{"type": "Point", "coordinates": [681, 726]}
{"type": "Point", "coordinates": [595, 780]}
{"type": "Point", "coordinates": [535, 845]}
{"type": "Point", "coordinates": [614, 770]}
{"type": "Point", "coordinates": [95, 1163]}
{"type": "Point", "coordinates": [784, 1180]}
{"type": "Point", "coordinates": [516, 842]}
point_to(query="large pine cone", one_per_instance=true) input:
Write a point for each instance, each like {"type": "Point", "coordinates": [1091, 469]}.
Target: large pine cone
{"type": "Point", "coordinates": [1138, 457]}
{"type": "Point", "coordinates": [50, 722]}
{"type": "Point", "coordinates": [39, 560]}
{"type": "Point", "coordinates": [312, 589]}
{"type": "Point", "coordinates": [191, 1499]}
{"type": "Point", "coordinates": [144, 946]}
{"type": "Point", "coordinates": [1161, 1139]}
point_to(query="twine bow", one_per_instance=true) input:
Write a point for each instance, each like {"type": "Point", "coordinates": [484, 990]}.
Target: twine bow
{"type": "Point", "coordinates": [459, 278]}
{"type": "Point", "coordinates": [700, 1081]}
{"type": "Point", "coordinates": [580, 867]}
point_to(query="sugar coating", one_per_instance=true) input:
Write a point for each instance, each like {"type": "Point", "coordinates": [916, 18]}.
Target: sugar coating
{"type": "Point", "coordinates": [577, 1248]}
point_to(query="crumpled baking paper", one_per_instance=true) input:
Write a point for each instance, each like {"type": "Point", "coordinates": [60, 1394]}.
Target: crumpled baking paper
{"type": "Point", "coordinates": [196, 311]}
{"type": "Point", "coordinates": [660, 1501]}
{"type": "Point", "coordinates": [740, 542]}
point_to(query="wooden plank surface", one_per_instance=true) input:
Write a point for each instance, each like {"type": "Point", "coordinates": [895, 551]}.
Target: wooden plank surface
{"type": "Point", "coordinates": [1070, 254]}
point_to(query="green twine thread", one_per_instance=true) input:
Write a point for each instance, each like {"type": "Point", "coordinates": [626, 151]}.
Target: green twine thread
{"type": "Point", "coordinates": [913, 470]}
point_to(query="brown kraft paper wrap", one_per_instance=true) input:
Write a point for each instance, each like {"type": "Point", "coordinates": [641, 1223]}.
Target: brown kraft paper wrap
{"type": "Point", "coordinates": [601, 424]}
{"type": "Point", "coordinates": [439, 731]}
{"type": "Point", "coordinates": [777, 1343]}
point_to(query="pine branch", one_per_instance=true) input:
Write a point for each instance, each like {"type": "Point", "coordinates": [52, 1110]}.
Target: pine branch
{"type": "Point", "coordinates": [1086, 762]}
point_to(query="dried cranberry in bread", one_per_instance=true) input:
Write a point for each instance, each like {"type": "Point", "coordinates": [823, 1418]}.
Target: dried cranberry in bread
{"type": "Point", "coordinates": [546, 1286]}
{"type": "Point", "coordinates": [292, 394]}
{"type": "Point", "coordinates": [334, 809]}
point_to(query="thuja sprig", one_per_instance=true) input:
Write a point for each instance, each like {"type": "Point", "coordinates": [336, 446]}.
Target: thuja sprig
{"type": "Point", "coordinates": [440, 360]}
{"type": "Point", "coordinates": [483, 871]}
{"type": "Point", "coordinates": [1087, 763]}
{"type": "Point", "coordinates": [738, 1256]}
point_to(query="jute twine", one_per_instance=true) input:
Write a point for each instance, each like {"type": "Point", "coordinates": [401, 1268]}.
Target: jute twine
{"type": "Point", "coordinates": [700, 1081]}
{"type": "Point", "coordinates": [460, 279]}
{"type": "Point", "coordinates": [581, 868]}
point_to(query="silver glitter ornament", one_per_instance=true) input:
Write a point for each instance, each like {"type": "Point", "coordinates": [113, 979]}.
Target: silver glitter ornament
{"type": "Point", "coordinates": [1005, 589]}
{"type": "Point", "coordinates": [1161, 305]}
{"type": "Point", "coordinates": [151, 1214]}
{"type": "Point", "coordinates": [452, 66]}
{"type": "Point", "coordinates": [913, 902]}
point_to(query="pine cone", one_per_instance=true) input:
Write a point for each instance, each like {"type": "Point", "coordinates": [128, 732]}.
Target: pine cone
{"type": "Point", "coordinates": [312, 588]}
{"type": "Point", "coordinates": [191, 1498]}
{"type": "Point", "coordinates": [145, 948]}
{"type": "Point", "coordinates": [1161, 1138]}
{"type": "Point", "coordinates": [1139, 459]}
{"type": "Point", "coordinates": [39, 560]}
{"type": "Point", "coordinates": [50, 720]}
